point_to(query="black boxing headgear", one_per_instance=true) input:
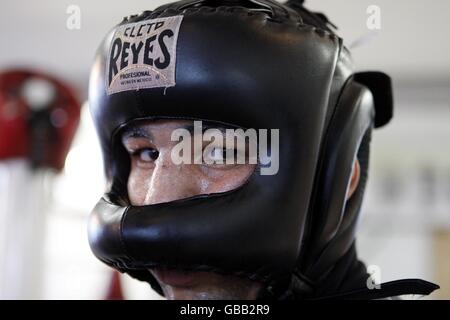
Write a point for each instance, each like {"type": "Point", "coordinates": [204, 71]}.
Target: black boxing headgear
{"type": "Point", "coordinates": [254, 64]}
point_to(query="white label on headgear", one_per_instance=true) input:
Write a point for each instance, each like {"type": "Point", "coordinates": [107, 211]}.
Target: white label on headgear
{"type": "Point", "coordinates": [143, 55]}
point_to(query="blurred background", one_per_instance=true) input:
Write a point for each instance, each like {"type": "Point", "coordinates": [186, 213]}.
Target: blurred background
{"type": "Point", "coordinates": [44, 254]}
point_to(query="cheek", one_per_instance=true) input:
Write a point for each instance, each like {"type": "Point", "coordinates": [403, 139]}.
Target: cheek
{"type": "Point", "coordinates": [138, 184]}
{"type": "Point", "coordinates": [226, 180]}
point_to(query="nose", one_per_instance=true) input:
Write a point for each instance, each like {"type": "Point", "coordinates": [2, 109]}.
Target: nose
{"type": "Point", "coordinates": [170, 182]}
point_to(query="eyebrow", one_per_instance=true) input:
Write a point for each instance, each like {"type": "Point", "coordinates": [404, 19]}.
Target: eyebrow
{"type": "Point", "coordinates": [136, 132]}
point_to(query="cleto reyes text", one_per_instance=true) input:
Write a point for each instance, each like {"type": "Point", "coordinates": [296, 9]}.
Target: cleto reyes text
{"type": "Point", "coordinates": [143, 44]}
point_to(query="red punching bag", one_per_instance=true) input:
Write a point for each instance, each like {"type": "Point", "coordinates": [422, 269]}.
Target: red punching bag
{"type": "Point", "coordinates": [38, 118]}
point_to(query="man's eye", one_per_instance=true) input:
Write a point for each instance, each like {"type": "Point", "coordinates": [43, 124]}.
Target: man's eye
{"type": "Point", "coordinates": [146, 155]}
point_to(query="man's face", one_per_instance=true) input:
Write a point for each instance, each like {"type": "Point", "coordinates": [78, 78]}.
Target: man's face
{"type": "Point", "coordinates": [154, 178]}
